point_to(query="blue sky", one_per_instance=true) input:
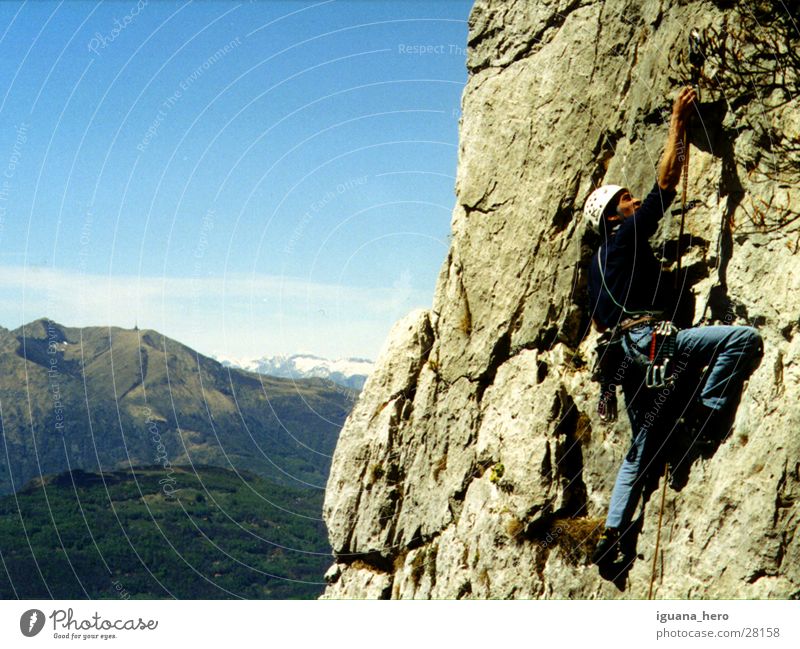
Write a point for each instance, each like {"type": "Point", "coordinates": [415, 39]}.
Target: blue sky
{"type": "Point", "coordinates": [249, 178]}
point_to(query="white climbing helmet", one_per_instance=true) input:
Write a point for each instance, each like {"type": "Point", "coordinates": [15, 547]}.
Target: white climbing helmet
{"type": "Point", "coordinates": [597, 202]}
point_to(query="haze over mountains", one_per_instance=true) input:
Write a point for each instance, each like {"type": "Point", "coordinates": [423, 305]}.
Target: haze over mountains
{"type": "Point", "coordinates": [348, 372]}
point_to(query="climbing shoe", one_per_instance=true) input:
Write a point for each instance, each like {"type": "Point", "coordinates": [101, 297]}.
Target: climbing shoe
{"type": "Point", "coordinates": [607, 548]}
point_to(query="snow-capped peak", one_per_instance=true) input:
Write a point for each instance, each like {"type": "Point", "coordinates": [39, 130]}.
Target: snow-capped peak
{"type": "Point", "coordinates": [349, 372]}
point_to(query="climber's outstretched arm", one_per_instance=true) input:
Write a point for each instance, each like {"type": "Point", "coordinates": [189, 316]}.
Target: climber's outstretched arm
{"type": "Point", "coordinates": [669, 170]}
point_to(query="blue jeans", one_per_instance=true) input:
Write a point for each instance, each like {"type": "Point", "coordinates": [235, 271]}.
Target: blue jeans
{"type": "Point", "coordinates": [730, 355]}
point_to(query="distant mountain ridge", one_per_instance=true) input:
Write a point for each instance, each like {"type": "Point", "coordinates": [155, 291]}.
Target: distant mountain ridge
{"type": "Point", "coordinates": [103, 398]}
{"type": "Point", "coordinates": [348, 372]}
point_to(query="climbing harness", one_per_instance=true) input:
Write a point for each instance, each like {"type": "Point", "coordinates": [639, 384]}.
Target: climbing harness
{"type": "Point", "coordinates": [614, 357]}
{"type": "Point", "coordinates": [662, 349]}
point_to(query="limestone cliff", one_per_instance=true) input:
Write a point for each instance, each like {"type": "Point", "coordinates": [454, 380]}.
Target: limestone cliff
{"type": "Point", "coordinates": [474, 465]}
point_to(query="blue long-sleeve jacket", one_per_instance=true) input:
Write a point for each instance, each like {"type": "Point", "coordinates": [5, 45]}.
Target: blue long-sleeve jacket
{"type": "Point", "coordinates": [629, 266]}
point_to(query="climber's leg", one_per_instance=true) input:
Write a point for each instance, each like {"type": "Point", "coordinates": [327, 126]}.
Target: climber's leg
{"type": "Point", "coordinates": [629, 482]}
{"type": "Point", "coordinates": [731, 354]}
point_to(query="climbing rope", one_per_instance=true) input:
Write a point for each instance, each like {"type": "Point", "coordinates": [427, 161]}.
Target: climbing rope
{"type": "Point", "coordinates": [658, 530]}
{"type": "Point", "coordinates": [684, 183]}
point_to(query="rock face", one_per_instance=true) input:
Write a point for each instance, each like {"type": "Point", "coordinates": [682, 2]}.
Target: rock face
{"type": "Point", "coordinates": [474, 464]}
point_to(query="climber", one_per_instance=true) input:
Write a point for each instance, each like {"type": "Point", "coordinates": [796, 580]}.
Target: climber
{"type": "Point", "coordinates": [625, 295]}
